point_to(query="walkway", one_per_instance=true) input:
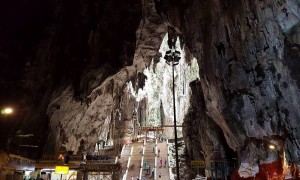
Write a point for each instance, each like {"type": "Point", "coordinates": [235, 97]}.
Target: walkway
{"type": "Point", "coordinates": [164, 170]}
{"type": "Point", "coordinates": [133, 160]}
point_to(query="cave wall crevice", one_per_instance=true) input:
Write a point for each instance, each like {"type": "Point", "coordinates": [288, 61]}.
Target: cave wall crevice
{"type": "Point", "coordinates": [204, 138]}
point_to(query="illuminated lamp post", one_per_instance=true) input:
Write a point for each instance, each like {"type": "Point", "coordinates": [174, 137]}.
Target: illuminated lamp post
{"type": "Point", "coordinates": [172, 58]}
{"type": "Point", "coordinates": [6, 112]}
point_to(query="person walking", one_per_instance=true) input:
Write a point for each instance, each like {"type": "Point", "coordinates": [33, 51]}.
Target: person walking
{"type": "Point", "coordinates": [159, 176]}
{"type": "Point", "coordinates": [165, 162]}
{"type": "Point", "coordinates": [152, 172]}
{"type": "Point", "coordinates": [141, 150]}
{"type": "Point", "coordinates": [158, 152]}
{"type": "Point", "coordinates": [160, 161]}
{"type": "Point", "coordinates": [149, 169]}
{"type": "Point", "coordinates": [145, 164]}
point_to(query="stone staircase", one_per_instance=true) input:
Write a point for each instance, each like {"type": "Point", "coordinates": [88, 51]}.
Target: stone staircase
{"type": "Point", "coordinates": [136, 154]}
{"type": "Point", "coordinates": [135, 163]}
{"type": "Point", "coordinates": [149, 157]}
{"type": "Point", "coordinates": [125, 154]}
{"type": "Point", "coordinates": [164, 155]}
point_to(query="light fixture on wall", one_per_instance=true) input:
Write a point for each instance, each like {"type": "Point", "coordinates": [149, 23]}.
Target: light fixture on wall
{"type": "Point", "coordinates": [271, 146]}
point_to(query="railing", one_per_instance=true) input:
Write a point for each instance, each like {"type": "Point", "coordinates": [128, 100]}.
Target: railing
{"type": "Point", "coordinates": [90, 158]}
{"type": "Point", "coordinates": [109, 150]}
{"type": "Point", "coordinates": [111, 161]}
{"type": "Point", "coordinates": [48, 157]}
{"type": "Point", "coordinates": [75, 158]}
{"type": "Point", "coordinates": [15, 161]}
{"type": "Point", "coordinates": [151, 128]}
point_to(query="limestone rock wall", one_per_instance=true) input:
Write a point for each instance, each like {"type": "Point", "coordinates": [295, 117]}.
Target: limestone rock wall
{"type": "Point", "coordinates": [75, 72]}
{"type": "Point", "coordinates": [203, 138]}
{"type": "Point", "coordinates": [247, 53]}
{"type": "Point", "coordinates": [106, 106]}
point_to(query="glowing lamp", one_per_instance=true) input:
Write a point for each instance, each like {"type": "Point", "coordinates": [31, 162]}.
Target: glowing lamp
{"type": "Point", "coordinates": [27, 173]}
{"type": "Point", "coordinates": [271, 146]}
{"type": "Point", "coordinates": [61, 157]}
{"type": "Point", "coordinates": [7, 111]}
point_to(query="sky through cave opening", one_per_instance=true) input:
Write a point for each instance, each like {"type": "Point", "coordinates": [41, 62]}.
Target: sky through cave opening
{"type": "Point", "coordinates": [158, 89]}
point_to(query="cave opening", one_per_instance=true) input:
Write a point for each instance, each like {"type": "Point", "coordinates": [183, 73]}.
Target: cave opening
{"type": "Point", "coordinates": [157, 90]}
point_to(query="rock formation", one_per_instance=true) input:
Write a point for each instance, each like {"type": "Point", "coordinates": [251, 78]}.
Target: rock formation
{"type": "Point", "coordinates": [244, 53]}
{"type": "Point", "coordinates": [84, 71]}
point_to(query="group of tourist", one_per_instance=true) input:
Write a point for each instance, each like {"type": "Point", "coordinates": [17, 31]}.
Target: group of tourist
{"type": "Point", "coordinates": [161, 162]}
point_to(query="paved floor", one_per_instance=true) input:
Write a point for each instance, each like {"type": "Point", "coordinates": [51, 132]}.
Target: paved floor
{"type": "Point", "coordinates": [164, 170]}
{"type": "Point", "coordinates": [137, 157]}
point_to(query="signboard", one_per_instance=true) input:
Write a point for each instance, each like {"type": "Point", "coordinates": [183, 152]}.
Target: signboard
{"type": "Point", "coordinates": [198, 164]}
{"type": "Point", "coordinates": [16, 162]}
{"type": "Point", "coordinates": [61, 170]}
